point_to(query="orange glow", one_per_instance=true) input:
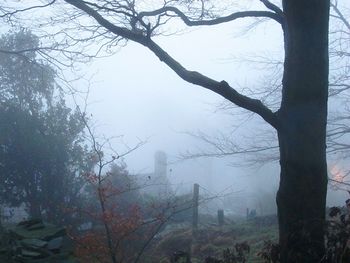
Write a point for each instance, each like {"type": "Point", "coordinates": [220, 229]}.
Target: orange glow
{"type": "Point", "coordinates": [337, 174]}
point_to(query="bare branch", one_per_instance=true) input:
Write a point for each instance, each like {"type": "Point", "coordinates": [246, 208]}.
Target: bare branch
{"type": "Point", "coordinates": [273, 7]}
{"type": "Point", "coordinates": [9, 14]}
{"type": "Point", "coordinates": [340, 15]}
{"type": "Point", "coordinates": [215, 21]}
{"type": "Point", "coordinates": [222, 88]}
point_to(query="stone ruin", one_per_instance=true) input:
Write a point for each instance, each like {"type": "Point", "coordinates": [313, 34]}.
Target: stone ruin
{"type": "Point", "coordinates": [34, 241]}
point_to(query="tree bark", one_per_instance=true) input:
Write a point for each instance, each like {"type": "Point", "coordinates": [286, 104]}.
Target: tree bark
{"type": "Point", "coordinates": [301, 198]}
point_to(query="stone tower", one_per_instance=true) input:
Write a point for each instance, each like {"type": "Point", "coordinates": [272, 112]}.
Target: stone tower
{"type": "Point", "coordinates": [160, 164]}
{"type": "Point", "coordinates": [160, 174]}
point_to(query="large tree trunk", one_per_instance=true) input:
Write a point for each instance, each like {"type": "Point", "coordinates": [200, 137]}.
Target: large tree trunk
{"type": "Point", "coordinates": [301, 197]}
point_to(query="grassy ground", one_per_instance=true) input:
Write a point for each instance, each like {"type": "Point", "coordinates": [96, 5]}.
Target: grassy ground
{"type": "Point", "coordinates": [211, 240]}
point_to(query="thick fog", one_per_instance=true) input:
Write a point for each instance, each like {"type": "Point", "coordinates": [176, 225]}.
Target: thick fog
{"type": "Point", "coordinates": [109, 153]}
{"type": "Point", "coordinates": [135, 97]}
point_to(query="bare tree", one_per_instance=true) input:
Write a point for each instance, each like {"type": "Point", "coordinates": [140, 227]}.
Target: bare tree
{"type": "Point", "coordinates": [300, 121]}
{"type": "Point", "coordinates": [260, 146]}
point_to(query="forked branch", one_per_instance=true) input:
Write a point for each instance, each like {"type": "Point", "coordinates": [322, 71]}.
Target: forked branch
{"type": "Point", "coordinates": [273, 7]}
{"type": "Point", "coordinates": [340, 15]}
{"type": "Point", "coordinates": [220, 87]}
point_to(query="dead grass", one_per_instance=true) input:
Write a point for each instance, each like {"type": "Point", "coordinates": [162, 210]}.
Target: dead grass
{"type": "Point", "coordinates": [212, 240]}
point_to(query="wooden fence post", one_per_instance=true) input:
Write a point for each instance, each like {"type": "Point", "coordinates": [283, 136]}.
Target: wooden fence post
{"type": "Point", "coordinates": [195, 206]}
{"type": "Point", "coordinates": [221, 218]}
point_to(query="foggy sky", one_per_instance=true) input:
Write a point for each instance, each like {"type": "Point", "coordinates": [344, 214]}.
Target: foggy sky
{"type": "Point", "coordinates": [134, 95]}
{"type": "Point", "coordinates": [137, 96]}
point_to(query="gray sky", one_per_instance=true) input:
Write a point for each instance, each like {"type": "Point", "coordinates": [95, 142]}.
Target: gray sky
{"type": "Point", "coordinates": [137, 96]}
{"type": "Point", "coordinates": [134, 95]}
